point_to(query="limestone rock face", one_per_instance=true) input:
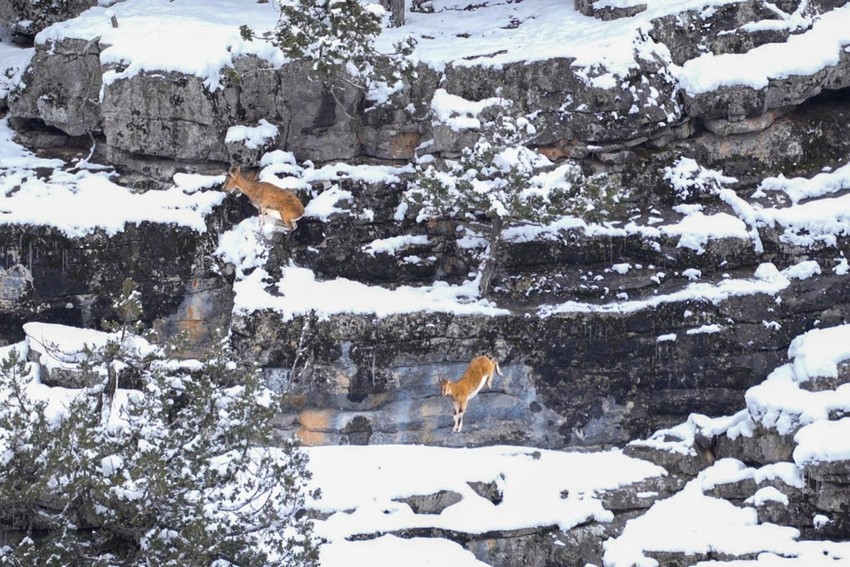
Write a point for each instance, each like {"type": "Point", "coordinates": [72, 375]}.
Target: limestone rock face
{"type": "Point", "coordinates": [572, 378]}
{"type": "Point", "coordinates": [322, 122]}
{"type": "Point", "coordinates": [575, 548]}
{"type": "Point", "coordinates": [163, 114]}
{"type": "Point", "coordinates": [52, 278]}
{"type": "Point", "coordinates": [62, 87]}
{"type": "Point", "coordinates": [784, 485]}
{"type": "Point", "coordinates": [583, 112]}
{"type": "Point", "coordinates": [832, 488]}
{"type": "Point", "coordinates": [569, 380]}
{"type": "Point", "coordinates": [765, 447]}
{"type": "Point", "coordinates": [690, 33]}
{"type": "Point", "coordinates": [792, 143]}
{"type": "Point", "coordinates": [641, 495]}
{"type": "Point", "coordinates": [743, 101]}
{"type": "Point", "coordinates": [574, 111]}
{"type": "Point", "coordinates": [175, 116]}
{"type": "Point", "coordinates": [580, 378]}
{"type": "Point", "coordinates": [378, 379]}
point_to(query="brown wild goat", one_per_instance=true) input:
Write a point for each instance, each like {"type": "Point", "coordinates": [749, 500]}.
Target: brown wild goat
{"type": "Point", "coordinates": [272, 200]}
{"type": "Point", "coordinates": [479, 371]}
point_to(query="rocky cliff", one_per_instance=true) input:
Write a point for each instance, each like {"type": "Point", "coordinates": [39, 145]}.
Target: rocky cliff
{"type": "Point", "coordinates": [728, 237]}
{"type": "Point", "coordinates": [586, 305]}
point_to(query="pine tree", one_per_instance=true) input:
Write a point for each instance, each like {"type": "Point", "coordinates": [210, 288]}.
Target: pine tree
{"type": "Point", "coordinates": [177, 472]}
{"type": "Point", "coordinates": [495, 184]}
{"type": "Point", "coordinates": [337, 39]}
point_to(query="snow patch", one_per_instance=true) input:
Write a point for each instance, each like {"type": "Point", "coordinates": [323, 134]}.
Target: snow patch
{"type": "Point", "coordinates": [252, 137]}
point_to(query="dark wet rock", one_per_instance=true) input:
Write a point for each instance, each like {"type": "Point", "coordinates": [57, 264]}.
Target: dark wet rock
{"type": "Point", "coordinates": [51, 277]}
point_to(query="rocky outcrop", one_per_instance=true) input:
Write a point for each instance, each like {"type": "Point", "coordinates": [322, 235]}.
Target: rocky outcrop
{"type": "Point", "coordinates": [594, 374]}
{"type": "Point", "coordinates": [545, 545]}
{"type": "Point", "coordinates": [691, 33]}
{"type": "Point", "coordinates": [736, 103]}
{"type": "Point", "coordinates": [572, 379]}
{"type": "Point", "coordinates": [590, 377]}
{"type": "Point", "coordinates": [163, 115]}
{"type": "Point", "coordinates": [608, 11]}
{"type": "Point", "coordinates": [151, 116]}
{"type": "Point", "coordinates": [774, 468]}
{"type": "Point", "coordinates": [574, 112]}
{"type": "Point", "coordinates": [432, 503]}
{"type": "Point", "coordinates": [63, 88]}
{"type": "Point", "coordinates": [592, 355]}
{"type": "Point", "coordinates": [796, 143]}
{"type": "Point", "coordinates": [48, 276]}
{"type": "Point", "coordinates": [583, 113]}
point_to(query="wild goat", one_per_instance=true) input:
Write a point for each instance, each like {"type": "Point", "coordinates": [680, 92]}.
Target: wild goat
{"type": "Point", "coordinates": [272, 200]}
{"type": "Point", "coordinates": [479, 371]}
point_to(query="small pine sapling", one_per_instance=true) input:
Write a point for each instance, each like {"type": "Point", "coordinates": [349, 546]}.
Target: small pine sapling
{"type": "Point", "coordinates": [491, 184]}
{"type": "Point", "coordinates": [494, 185]}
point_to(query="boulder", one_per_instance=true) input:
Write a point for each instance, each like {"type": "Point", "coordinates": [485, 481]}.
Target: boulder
{"type": "Point", "coordinates": [641, 495]}
{"type": "Point", "coordinates": [798, 512]}
{"type": "Point", "coordinates": [576, 547]}
{"type": "Point", "coordinates": [487, 490]}
{"type": "Point", "coordinates": [676, 462]}
{"type": "Point", "coordinates": [745, 101]}
{"type": "Point", "coordinates": [764, 447]}
{"type": "Point", "coordinates": [690, 33]}
{"type": "Point", "coordinates": [432, 503]}
{"type": "Point", "coordinates": [573, 112]}
{"type": "Point", "coordinates": [829, 491]}
{"type": "Point", "coordinates": [737, 491]}
{"type": "Point", "coordinates": [606, 11]}
{"type": "Point", "coordinates": [61, 88]}
{"type": "Point", "coordinates": [25, 18]}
